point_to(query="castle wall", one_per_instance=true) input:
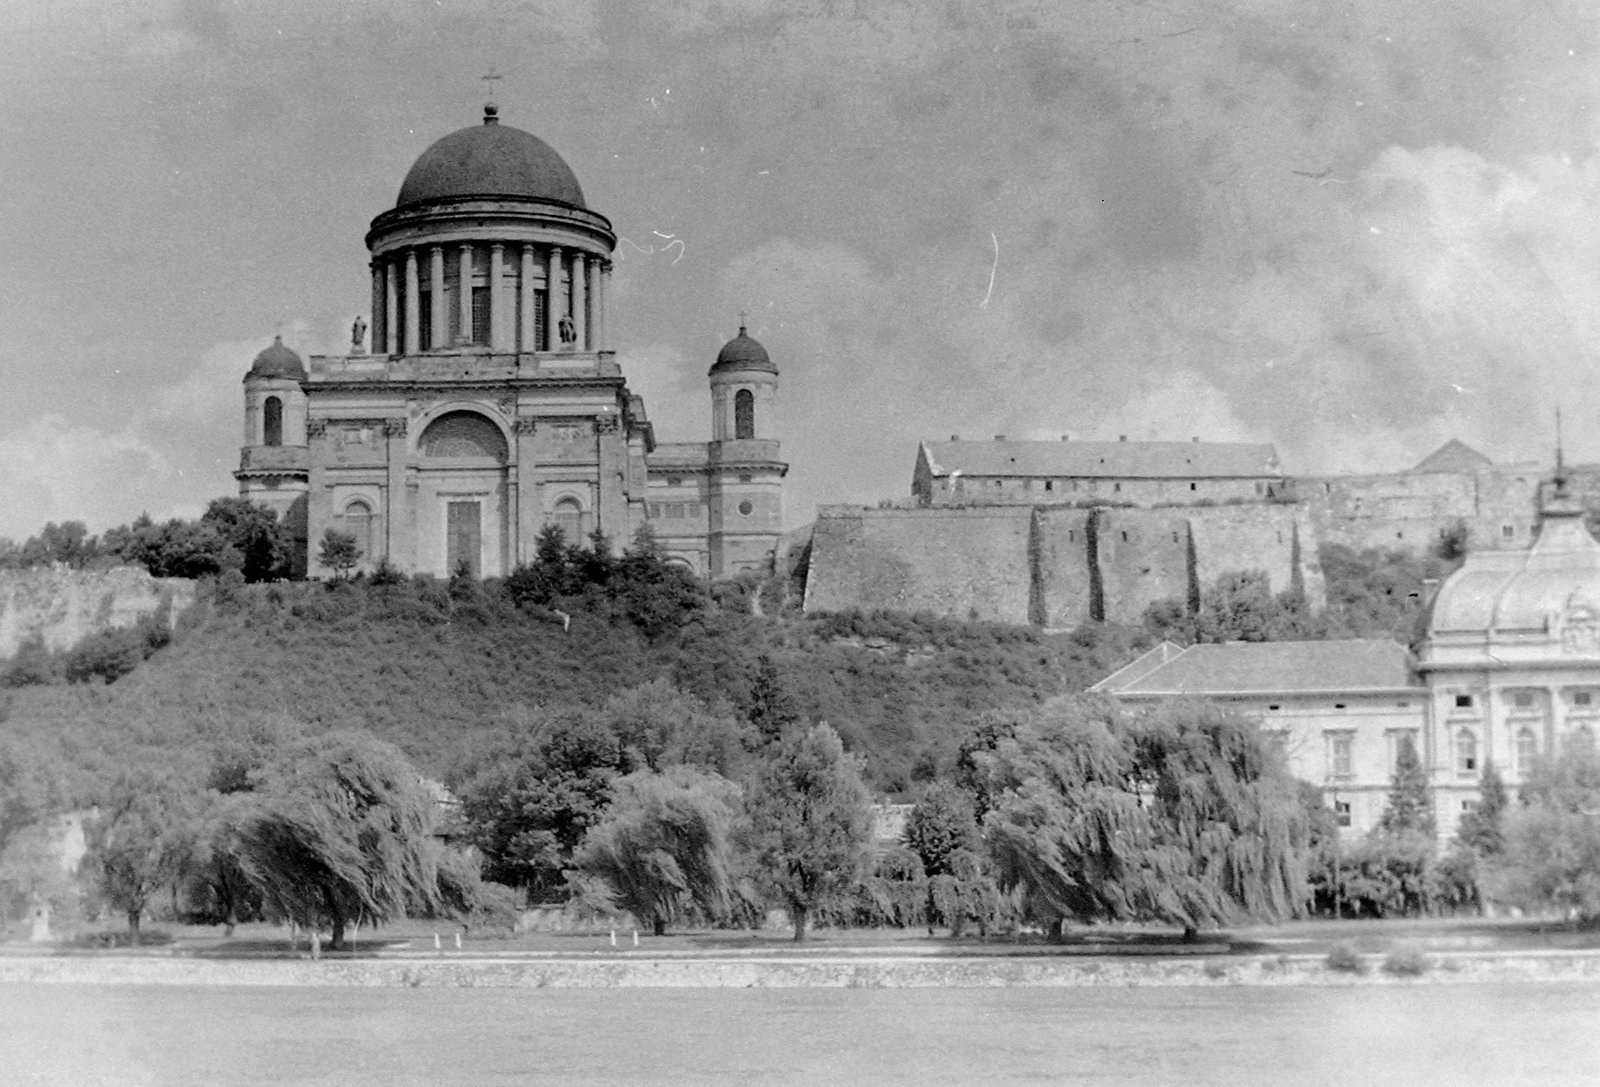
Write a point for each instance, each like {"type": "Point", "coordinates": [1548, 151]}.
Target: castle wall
{"type": "Point", "coordinates": [64, 606]}
{"type": "Point", "coordinates": [1267, 537]}
{"type": "Point", "coordinates": [1063, 583]}
{"type": "Point", "coordinates": [1143, 557]}
{"type": "Point", "coordinates": [1413, 510]}
{"type": "Point", "coordinates": [962, 563]}
{"type": "Point", "coordinates": [1055, 567]}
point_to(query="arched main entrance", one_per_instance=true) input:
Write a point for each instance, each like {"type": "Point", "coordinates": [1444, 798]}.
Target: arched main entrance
{"type": "Point", "coordinates": [462, 496]}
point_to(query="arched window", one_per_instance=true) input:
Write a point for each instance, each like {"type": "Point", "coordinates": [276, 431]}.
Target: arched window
{"type": "Point", "coordinates": [1527, 750]}
{"type": "Point", "coordinates": [568, 515]}
{"type": "Point", "coordinates": [272, 421]}
{"type": "Point", "coordinates": [358, 523]}
{"type": "Point", "coordinates": [744, 414]}
{"type": "Point", "coordinates": [464, 434]}
{"type": "Point", "coordinates": [1466, 752]}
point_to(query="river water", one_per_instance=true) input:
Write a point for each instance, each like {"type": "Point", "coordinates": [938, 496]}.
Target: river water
{"type": "Point", "coordinates": [1545, 1033]}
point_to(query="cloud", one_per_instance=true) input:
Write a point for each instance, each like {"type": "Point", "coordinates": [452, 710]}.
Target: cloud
{"type": "Point", "coordinates": [56, 470]}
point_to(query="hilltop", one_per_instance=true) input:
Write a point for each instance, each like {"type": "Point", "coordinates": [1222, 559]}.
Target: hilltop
{"type": "Point", "coordinates": [438, 668]}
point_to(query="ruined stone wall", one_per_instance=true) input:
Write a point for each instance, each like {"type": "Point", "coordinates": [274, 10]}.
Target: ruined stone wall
{"type": "Point", "coordinates": [963, 563]}
{"type": "Point", "coordinates": [64, 606]}
{"type": "Point", "coordinates": [1055, 567]}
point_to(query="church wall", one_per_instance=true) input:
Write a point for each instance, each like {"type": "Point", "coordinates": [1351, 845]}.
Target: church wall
{"type": "Point", "coordinates": [967, 564]}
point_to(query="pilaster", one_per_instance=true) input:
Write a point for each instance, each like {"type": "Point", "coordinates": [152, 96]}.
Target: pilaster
{"type": "Point", "coordinates": [401, 543]}
{"type": "Point", "coordinates": [528, 512]}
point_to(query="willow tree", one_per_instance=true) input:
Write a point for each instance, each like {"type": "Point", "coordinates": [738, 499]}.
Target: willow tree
{"type": "Point", "coordinates": [340, 830]}
{"type": "Point", "coordinates": [663, 846]}
{"type": "Point", "coordinates": [1181, 814]}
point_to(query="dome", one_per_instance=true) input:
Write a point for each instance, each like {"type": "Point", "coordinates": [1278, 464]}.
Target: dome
{"type": "Point", "coordinates": [743, 353]}
{"type": "Point", "coordinates": [1534, 590]}
{"type": "Point", "coordinates": [490, 159]}
{"type": "Point", "coordinates": [278, 361]}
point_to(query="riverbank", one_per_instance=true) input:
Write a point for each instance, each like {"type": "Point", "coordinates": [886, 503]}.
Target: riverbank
{"type": "Point", "coordinates": [862, 969]}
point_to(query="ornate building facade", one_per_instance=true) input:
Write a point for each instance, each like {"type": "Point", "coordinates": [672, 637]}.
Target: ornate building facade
{"type": "Point", "coordinates": [491, 403]}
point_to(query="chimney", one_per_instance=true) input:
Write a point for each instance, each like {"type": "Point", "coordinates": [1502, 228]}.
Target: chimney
{"type": "Point", "coordinates": [1195, 439]}
{"type": "Point", "coordinates": [1122, 437]}
{"type": "Point", "coordinates": [1063, 437]}
{"type": "Point", "coordinates": [955, 437]}
{"type": "Point", "coordinates": [999, 437]}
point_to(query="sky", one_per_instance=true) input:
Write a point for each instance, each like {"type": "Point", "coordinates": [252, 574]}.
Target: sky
{"type": "Point", "coordinates": [1355, 229]}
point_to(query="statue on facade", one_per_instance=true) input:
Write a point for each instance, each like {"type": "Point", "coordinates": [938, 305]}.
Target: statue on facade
{"type": "Point", "coordinates": [569, 332]}
{"type": "Point", "coordinates": [358, 335]}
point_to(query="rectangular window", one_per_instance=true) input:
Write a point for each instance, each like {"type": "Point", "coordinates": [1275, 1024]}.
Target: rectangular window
{"type": "Point", "coordinates": [1523, 700]}
{"type": "Point", "coordinates": [674, 511]}
{"type": "Point", "coordinates": [1027, 484]}
{"type": "Point", "coordinates": [1508, 532]}
{"type": "Point", "coordinates": [1583, 698]}
{"type": "Point", "coordinates": [1341, 812]}
{"type": "Point", "coordinates": [540, 322]}
{"type": "Point", "coordinates": [1049, 484]}
{"type": "Point", "coordinates": [655, 509]}
{"type": "Point", "coordinates": [425, 319]}
{"type": "Point", "coordinates": [1463, 701]}
{"type": "Point", "coordinates": [480, 315]}
{"type": "Point", "coordinates": [1341, 747]}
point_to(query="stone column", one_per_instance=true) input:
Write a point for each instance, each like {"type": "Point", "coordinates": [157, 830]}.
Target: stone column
{"type": "Point", "coordinates": [602, 276]}
{"type": "Point", "coordinates": [525, 300]}
{"type": "Point", "coordinates": [437, 316]}
{"type": "Point", "coordinates": [397, 522]}
{"type": "Point", "coordinates": [498, 311]}
{"type": "Point", "coordinates": [391, 324]}
{"type": "Point", "coordinates": [580, 322]}
{"type": "Point", "coordinates": [464, 292]}
{"type": "Point", "coordinates": [319, 496]}
{"type": "Point", "coordinates": [413, 305]}
{"type": "Point", "coordinates": [377, 331]}
{"type": "Point", "coordinates": [527, 492]}
{"type": "Point", "coordinates": [558, 305]}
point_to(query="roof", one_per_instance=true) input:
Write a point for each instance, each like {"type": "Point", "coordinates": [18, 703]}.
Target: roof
{"type": "Point", "coordinates": [490, 159]}
{"type": "Point", "coordinates": [1534, 590]}
{"type": "Point", "coordinates": [743, 352]}
{"type": "Point", "coordinates": [1454, 456]}
{"type": "Point", "coordinates": [277, 361]}
{"type": "Point", "coordinates": [1351, 666]}
{"type": "Point", "coordinates": [1118, 460]}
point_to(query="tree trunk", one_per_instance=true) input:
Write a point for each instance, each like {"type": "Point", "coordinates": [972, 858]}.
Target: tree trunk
{"type": "Point", "coordinates": [799, 916]}
{"type": "Point", "coordinates": [1190, 934]}
{"type": "Point", "coordinates": [336, 941]}
{"type": "Point", "coordinates": [659, 925]}
{"type": "Point", "coordinates": [133, 927]}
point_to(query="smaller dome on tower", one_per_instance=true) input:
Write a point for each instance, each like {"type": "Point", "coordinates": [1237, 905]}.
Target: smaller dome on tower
{"type": "Point", "coordinates": [743, 353]}
{"type": "Point", "coordinates": [278, 361]}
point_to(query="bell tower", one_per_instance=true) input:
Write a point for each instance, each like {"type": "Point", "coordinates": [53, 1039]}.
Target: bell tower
{"type": "Point", "coordinates": [745, 475]}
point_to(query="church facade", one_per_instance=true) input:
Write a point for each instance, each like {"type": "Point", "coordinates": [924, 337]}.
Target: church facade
{"type": "Point", "coordinates": [490, 403]}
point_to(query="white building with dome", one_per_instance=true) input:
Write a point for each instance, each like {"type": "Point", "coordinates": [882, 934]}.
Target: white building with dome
{"type": "Point", "coordinates": [1506, 671]}
{"type": "Point", "coordinates": [490, 403]}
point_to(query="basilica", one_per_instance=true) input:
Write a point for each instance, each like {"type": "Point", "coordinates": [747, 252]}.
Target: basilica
{"type": "Point", "coordinates": [490, 403]}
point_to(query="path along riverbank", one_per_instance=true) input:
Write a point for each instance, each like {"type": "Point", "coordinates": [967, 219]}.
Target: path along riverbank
{"type": "Point", "coordinates": [861, 969]}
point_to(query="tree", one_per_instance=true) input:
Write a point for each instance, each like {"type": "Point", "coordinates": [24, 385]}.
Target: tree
{"type": "Point", "coordinates": [529, 801]}
{"type": "Point", "coordinates": [660, 726]}
{"type": "Point", "coordinates": [663, 845]}
{"type": "Point", "coordinates": [339, 553]}
{"type": "Point", "coordinates": [141, 841]}
{"type": "Point", "coordinates": [1481, 830]}
{"type": "Point", "coordinates": [1410, 807]}
{"type": "Point", "coordinates": [1551, 859]}
{"type": "Point", "coordinates": [253, 530]}
{"type": "Point", "coordinates": [341, 830]}
{"type": "Point", "coordinates": [810, 823]}
{"type": "Point", "coordinates": [1181, 814]}
{"type": "Point", "coordinates": [772, 707]}
{"type": "Point", "coordinates": [941, 824]}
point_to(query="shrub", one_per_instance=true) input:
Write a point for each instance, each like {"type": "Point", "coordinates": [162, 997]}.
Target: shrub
{"type": "Point", "coordinates": [1405, 962]}
{"type": "Point", "coordinates": [1345, 959]}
